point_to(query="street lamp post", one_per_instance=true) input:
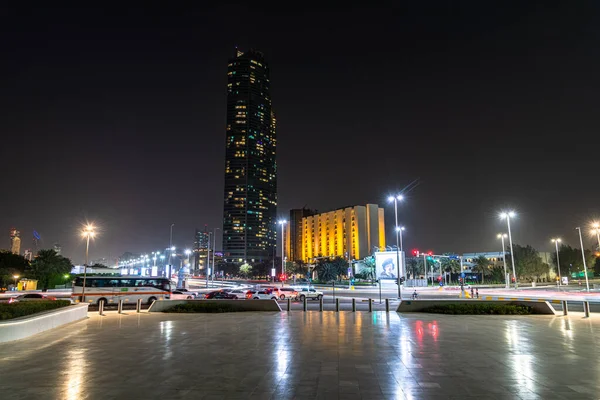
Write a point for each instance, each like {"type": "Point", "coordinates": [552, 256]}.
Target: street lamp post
{"type": "Point", "coordinates": [282, 222]}
{"type": "Point", "coordinates": [502, 236]}
{"type": "Point", "coordinates": [596, 230]}
{"type": "Point", "coordinates": [587, 283]}
{"type": "Point", "coordinates": [171, 242]}
{"type": "Point", "coordinates": [395, 200]}
{"type": "Point", "coordinates": [556, 242]}
{"type": "Point", "coordinates": [508, 215]}
{"type": "Point", "coordinates": [88, 232]}
{"type": "Point", "coordinates": [208, 257]}
{"type": "Point", "coordinates": [213, 256]}
{"type": "Point", "coordinates": [15, 277]}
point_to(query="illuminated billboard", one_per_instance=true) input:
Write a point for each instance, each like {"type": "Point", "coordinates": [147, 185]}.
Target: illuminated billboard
{"type": "Point", "coordinates": [386, 264]}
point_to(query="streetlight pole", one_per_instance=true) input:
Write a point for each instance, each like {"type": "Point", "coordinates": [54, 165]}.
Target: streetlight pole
{"type": "Point", "coordinates": [596, 230]}
{"type": "Point", "coordinates": [15, 277]}
{"type": "Point", "coordinates": [587, 283]}
{"type": "Point", "coordinates": [508, 215]}
{"type": "Point", "coordinates": [88, 232]}
{"type": "Point", "coordinates": [213, 257]}
{"type": "Point", "coordinates": [556, 242]}
{"type": "Point", "coordinates": [502, 236]}
{"type": "Point", "coordinates": [282, 222]}
{"type": "Point", "coordinates": [395, 200]}
{"type": "Point", "coordinates": [171, 242]}
{"type": "Point", "coordinates": [208, 257]}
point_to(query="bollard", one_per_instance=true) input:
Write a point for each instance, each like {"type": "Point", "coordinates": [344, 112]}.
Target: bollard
{"type": "Point", "coordinates": [387, 305]}
{"type": "Point", "coordinates": [337, 305]}
{"type": "Point", "coordinates": [101, 307]}
{"type": "Point", "coordinates": [586, 308]}
{"type": "Point", "coordinates": [120, 307]}
{"type": "Point", "coordinates": [138, 307]}
{"type": "Point", "coordinates": [370, 305]}
{"type": "Point", "coordinates": [353, 304]}
{"type": "Point", "coordinates": [289, 304]}
{"type": "Point", "coordinates": [304, 305]}
{"type": "Point", "coordinates": [565, 308]}
{"type": "Point", "coordinates": [321, 304]}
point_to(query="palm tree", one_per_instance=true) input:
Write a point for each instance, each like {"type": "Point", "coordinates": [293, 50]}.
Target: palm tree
{"type": "Point", "coordinates": [46, 264]}
{"type": "Point", "coordinates": [450, 265]}
{"type": "Point", "coordinates": [482, 264]}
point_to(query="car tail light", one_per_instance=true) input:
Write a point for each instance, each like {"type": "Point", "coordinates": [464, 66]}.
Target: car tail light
{"type": "Point", "coordinates": [11, 300]}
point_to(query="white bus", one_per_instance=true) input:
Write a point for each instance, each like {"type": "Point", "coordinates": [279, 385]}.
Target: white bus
{"type": "Point", "coordinates": [126, 288]}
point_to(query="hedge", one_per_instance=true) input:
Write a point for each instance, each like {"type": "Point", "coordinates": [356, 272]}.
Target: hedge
{"type": "Point", "coordinates": [479, 309]}
{"type": "Point", "coordinates": [24, 308]}
{"type": "Point", "coordinates": [202, 307]}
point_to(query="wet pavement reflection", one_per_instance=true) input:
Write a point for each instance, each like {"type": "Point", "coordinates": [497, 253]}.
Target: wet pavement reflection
{"type": "Point", "coordinates": [307, 356]}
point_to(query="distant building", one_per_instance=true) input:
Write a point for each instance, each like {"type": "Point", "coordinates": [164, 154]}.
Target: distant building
{"type": "Point", "coordinates": [293, 233]}
{"type": "Point", "coordinates": [495, 258]}
{"type": "Point", "coordinates": [28, 255]}
{"type": "Point", "coordinates": [345, 232]}
{"type": "Point", "coordinates": [15, 241]}
{"type": "Point", "coordinates": [250, 192]}
{"type": "Point", "coordinates": [200, 248]}
{"type": "Point", "coordinates": [57, 248]}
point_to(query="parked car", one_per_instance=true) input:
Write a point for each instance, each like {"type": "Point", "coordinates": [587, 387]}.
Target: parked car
{"type": "Point", "coordinates": [211, 295]}
{"type": "Point", "coordinates": [187, 291]}
{"type": "Point", "coordinates": [31, 297]}
{"type": "Point", "coordinates": [309, 293]}
{"type": "Point", "coordinates": [224, 295]}
{"type": "Point", "coordinates": [287, 293]}
{"type": "Point", "coordinates": [264, 295]}
{"type": "Point", "coordinates": [238, 293]}
{"type": "Point", "coordinates": [250, 293]}
{"type": "Point", "coordinates": [179, 295]}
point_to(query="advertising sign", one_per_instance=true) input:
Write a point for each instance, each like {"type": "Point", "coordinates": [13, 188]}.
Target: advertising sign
{"type": "Point", "coordinates": [386, 265]}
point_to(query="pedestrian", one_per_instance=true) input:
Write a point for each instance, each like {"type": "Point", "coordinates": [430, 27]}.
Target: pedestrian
{"type": "Point", "coordinates": [472, 294]}
{"type": "Point", "coordinates": [477, 293]}
{"type": "Point", "coordinates": [415, 295]}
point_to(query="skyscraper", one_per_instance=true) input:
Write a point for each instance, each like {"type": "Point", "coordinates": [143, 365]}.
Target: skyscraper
{"type": "Point", "coordinates": [15, 241]}
{"type": "Point", "coordinates": [250, 198]}
{"type": "Point", "coordinates": [200, 248]}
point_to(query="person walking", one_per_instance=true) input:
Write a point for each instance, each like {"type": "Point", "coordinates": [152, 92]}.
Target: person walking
{"type": "Point", "coordinates": [472, 293]}
{"type": "Point", "coordinates": [477, 292]}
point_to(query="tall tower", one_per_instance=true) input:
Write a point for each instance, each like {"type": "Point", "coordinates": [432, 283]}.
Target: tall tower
{"type": "Point", "coordinates": [15, 241]}
{"type": "Point", "coordinates": [250, 198]}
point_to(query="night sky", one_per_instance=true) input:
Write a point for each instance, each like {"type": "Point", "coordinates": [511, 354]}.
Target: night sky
{"type": "Point", "coordinates": [118, 116]}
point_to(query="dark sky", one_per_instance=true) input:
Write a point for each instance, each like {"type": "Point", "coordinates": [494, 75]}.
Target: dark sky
{"type": "Point", "coordinates": [117, 115]}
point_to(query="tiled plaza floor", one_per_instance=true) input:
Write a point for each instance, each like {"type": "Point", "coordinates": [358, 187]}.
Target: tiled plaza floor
{"type": "Point", "coordinates": [307, 356]}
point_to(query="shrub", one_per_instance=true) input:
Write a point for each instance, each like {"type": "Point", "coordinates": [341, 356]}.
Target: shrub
{"type": "Point", "coordinates": [479, 309]}
{"type": "Point", "coordinates": [202, 307]}
{"type": "Point", "coordinates": [22, 309]}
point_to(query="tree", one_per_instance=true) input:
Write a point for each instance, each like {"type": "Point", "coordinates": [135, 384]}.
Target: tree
{"type": "Point", "coordinates": [368, 268]}
{"type": "Point", "coordinates": [46, 265]}
{"type": "Point", "coordinates": [450, 265]}
{"type": "Point", "coordinates": [245, 270]}
{"type": "Point", "coordinates": [571, 261]}
{"type": "Point", "coordinates": [412, 267]}
{"type": "Point", "coordinates": [331, 269]}
{"type": "Point", "coordinates": [10, 265]}
{"type": "Point", "coordinates": [528, 263]}
{"type": "Point", "coordinates": [482, 265]}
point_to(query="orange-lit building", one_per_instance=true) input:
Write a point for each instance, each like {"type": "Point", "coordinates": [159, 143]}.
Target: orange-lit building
{"type": "Point", "coordinates": [352, 231]}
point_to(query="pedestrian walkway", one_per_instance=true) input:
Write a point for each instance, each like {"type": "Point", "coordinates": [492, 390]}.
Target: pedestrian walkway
{"type": "Point", "coordinates": [309, 355]}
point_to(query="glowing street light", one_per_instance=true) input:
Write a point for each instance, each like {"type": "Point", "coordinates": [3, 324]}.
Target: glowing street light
{"type": "Point", "coordinates": [87, 233]}
{"type": "Point", "coordinates": [15, 277]}
{"type": "Point", "coordinates": [395, 199]}
{"type": "Point", "coordinates": [503, 236]}
{"type": "Point", "coordinates": [187, 252]}
{"type": "Point", "coordinates": [556, 241]}
{"type": "Point", "coordinates": [282, 222]}
{"type": "Point", "coordinates": [508, 215]}
{"type": "Point", "coordinates": [596, 230]}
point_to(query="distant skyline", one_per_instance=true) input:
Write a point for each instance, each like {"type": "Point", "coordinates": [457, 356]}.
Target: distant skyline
{"type": "Point", "coordinates": [117, 116]}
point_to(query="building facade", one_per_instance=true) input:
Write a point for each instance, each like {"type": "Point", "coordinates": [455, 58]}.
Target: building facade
{"type": "Point", "coordinates": [201, 238]}
{"type": "Point", "coordinates": [293, 233]}
{"type": "Point", "coordinates": [250, 196]}
{"type": "Point", "coordinates": [346, 232]}
{"type": "Point", "coordinates": [15, 241]}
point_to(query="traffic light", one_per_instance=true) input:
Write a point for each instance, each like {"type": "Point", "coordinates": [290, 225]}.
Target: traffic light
{"type": "Point", "coordinates": [430, 253]}
{"type": "Point", "coordinates": [415, 252]}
